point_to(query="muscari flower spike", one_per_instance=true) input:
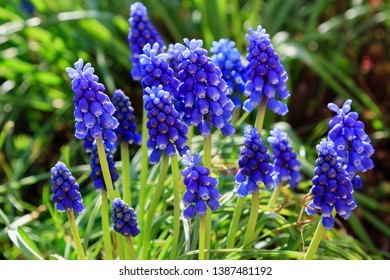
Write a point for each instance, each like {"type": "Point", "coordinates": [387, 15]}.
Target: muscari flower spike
{"type": "Point", "coordinates": [124, 218]}
{"type": "Point", "coordinates": [173, 57]}
{"type": "Point", "coordinates": [332, 189]}
{"type": "Point", "coordinates": [166, 131]}
{"type": "Point", "coordinates": [65, 189]}
{"type": "Point", "coordinates": [93, 109]}
{"type": "Point", "coordinates": [254, 163]}
{"type": "Point", "coordinates": [286, 165]}
{"type": "Point", "coordinates": [352, 143]}
{"type": "Point", "coordinates": [127, 129]}
{"type": "Point", "coordinates": [141, 32]}
{"type": "Point", "coordinates": [156, 71]}
{"type": "Point", "coordinates": [203, 90]}
{"type": "Point", "coordinates": [96, 169]}
{"type": "Point", "coordinates": [201, 188]}
{"type": "Point", "coordinates": [266, 75]}
{"type": "Point", "coordinates": [227, 57]}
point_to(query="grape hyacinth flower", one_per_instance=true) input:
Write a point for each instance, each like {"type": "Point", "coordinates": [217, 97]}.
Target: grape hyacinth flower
{"type": "Point", "coordinates": [126, 130]}
{"type": "Point", "coordinates": [201, 188]}
{"type": "Point", "coordinates": [96, 169]}
{"type": "Point", "coordinates": [332, 188]}
{"type": "Point", "coordinates": [203, 90]}
{"type": "Point", "coordinates": [124, 218]}
{"type": "Point", "coordinates": [254, 163]}
{"type": "Point", "coordinates": [93, 109]}
{"type": "Point", "coordinates": [166, 131]}
{"type": "Point", "coordinates": [266, 75]}
{"type": "Point", "coordinates": [173, 57]}
{"type": "Point", "coordinates": [65, 189]}
{"type": "Point", "coordinates": [141, 32]}
{"type": "Point", "coordinates": [352, 143]}
{"type": "Point", "coordinates": [156, 71]}
{"type": "Point", "coordinates": [227, 57]}
{"type": "Point", "coordinates": [286, 165]}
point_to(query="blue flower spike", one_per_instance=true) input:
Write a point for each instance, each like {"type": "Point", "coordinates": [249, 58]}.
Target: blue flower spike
{"type": "Point", "coordinates": [227, 57]}
{"type": "Point", "coordinates": [266, 76]}
{"type": "Point", "coordinates": [286, 165]}
{"type": "Point", "coordinates": [141, 32]}
{"type": "Point", "coordinates": [254, 163]}
{"type": "Point", "coordinates": [156, 71]}
{"type": "Point", "coordinates": [127, 128]}
{"type": "Point", "coordinates": [124, 218]}
{"type": "Point", "coordinates": [66, 190]}
{"type": "Point", "coordinates": [332, 188]}
{"type": "Point", "coordinates": [166, 132]}
{"type": "Point", "coordinates": [203, 91]}
{"type": "Point", "coordinates": [201, 188]}
{"type": "Point", "coordinates": [96, 169]}
{"type": "Point", "coordinates": [93, 108]}
{"type": "Point", "coordinates": [352, 143]}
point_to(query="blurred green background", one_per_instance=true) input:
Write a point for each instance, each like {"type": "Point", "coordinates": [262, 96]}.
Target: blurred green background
{"type": "Point", "coordinates": [332, 50]}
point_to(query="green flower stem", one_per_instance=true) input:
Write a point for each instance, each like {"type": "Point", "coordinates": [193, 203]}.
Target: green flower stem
{"type": "Point", "coordinates": [130, 248]}
{"type": "Point", "coordinates": [190, 134]}
{"type": "Point", "coordinates": [176, 205]}
{"type": "Point", "coordinates": [202, 237]}
{"type": "Point", "coordinates": [106, 227]}
{"type": "Point", "coordinates": [144, 176]}
{"type": "Point", "coordinates": [234, 222]}
{"type": "Point", "coordinates": [252, 217]}
{"type": "Point", "coordinates": [315, 242]}
{"type": "Point", "coordinates": [256, 195]}
{"type": "Point", "coordinates": [75, 233]}
{"type": "Point", "coordinates": [274, 197]}
{"type": "Point", "coordinates": [152, 207]}
{"type": "Point", "coordinates": [207, 163]}
{"type": "Point", "coordinates": [105, 169]}
{"type": "Point", "coordinates": [126, 182]}
{"type": "Point", "coordinates": [121, 249]}
{"type": "Point", "coordinates": [242, 119]}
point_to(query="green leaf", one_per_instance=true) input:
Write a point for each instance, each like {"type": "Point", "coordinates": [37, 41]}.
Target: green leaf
{"type": "Point", "coordinates": [19, 237]}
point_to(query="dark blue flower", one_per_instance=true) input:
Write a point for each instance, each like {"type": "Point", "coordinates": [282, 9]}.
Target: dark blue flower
{"type": "Point", "coordinates": [332, 189]}
{"type": "Point", "coordinates": [254, 163]}
{"type": "Point", "coordinates": [93, 109]}
{"type": "Point", "coordinates": [127, 129]}
{"type": "Point", "coordinates": [156, 71]}
{"type": "Point", "coordinates": [286, 165]}
{"type": "Point", "coordinates": [227, 57]}
{"type": "Point", "coordinates": [96, 169]}
{"type": "Point", "coordinates": [173, 56]}
{"type": "Point", "coordinates": [266, 75]}
{"type": "Point", "coordinates": [141, 32]}
{"type": "Point", "coordinates": [352, 143]}
{"type": "Point", "coordinates": [65, 189]}
{"type": "Point", "coordinates": [201, 188]}
{"type": "Point", "coordinates": [166, 131]}
{"type": "Point", "coordinates": [203, 91]}
{"type": "Point", "coordinates": [124, 218]}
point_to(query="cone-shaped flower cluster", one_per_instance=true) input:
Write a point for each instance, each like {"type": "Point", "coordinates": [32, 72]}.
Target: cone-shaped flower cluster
{"type": "Point", "coordinates": [227, 57]}
{"type": "Point", "coordinates": [142, 32]}
{"type": "Point", "coordinates": [203, 90]}
{"type": "Point", "coordinates": [96, 169]}
{"type": "Point", "coordinates": [127, 129]}
{"type": "Point", "coordinates": [93, 109]}
{"type": "Point", "coordinates": [156, 71]}
{"type": "Point", "coordinates": [201, 188]}
{"type": "Point", "coordinates": [266, 75]}
{"type": "Point", "coordinates": [124, 218]}
{"type": "Point", "coordinates": [166, 131]}
{"type": "Point", "coordinates": [65, 189]}
{"type": "Point", "coordinates": [352, 143]}
{"type": "Point", "coordinates": [254, 163]}
{"type": "Point", "coordinates": [286, 165]}
{"type": "Point", "coordinates": [332, 189]}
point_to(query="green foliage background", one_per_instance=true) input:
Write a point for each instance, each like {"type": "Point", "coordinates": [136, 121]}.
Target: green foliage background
{"type": "Point", "coordinates": [332, 51]}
